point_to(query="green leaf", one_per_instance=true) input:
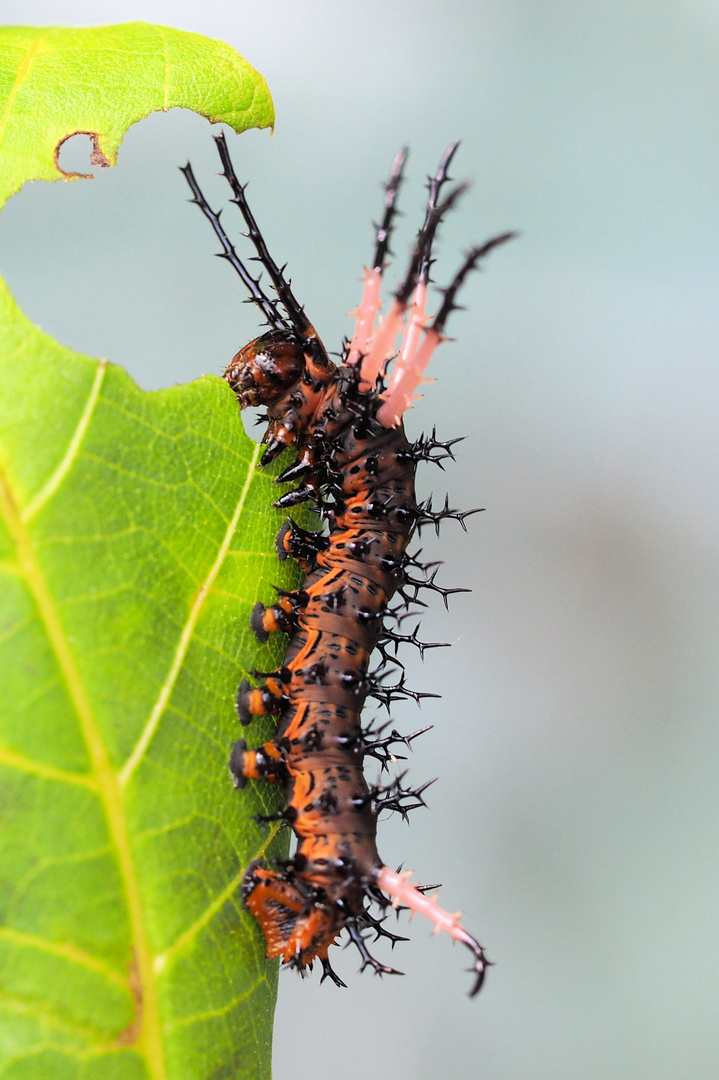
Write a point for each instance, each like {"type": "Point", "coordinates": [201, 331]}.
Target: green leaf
{"type": "Point", "coordinates": [55, 83]}
{"type": "Point", "coordinates": [135, 536]}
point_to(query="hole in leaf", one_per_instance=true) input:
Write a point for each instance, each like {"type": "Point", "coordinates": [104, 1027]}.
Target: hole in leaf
{"type": "Point", "coordinates": [125, 268]}
{"type": "Point", "coordinates": [77, 153]}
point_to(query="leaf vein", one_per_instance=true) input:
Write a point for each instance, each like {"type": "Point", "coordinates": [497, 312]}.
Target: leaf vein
{"type": "Point", "coordinates": [48, 490]}
{"type": "Point", "coordinates": [166, 80]}
{"type": "Point", "coordinates": [66, 952]}
{"type": "Point", "coordinates": [48, 772]}
{"type": "Point", "coordinates": [188, 936]}
{"type": "Point", "coordinates": [92, 1038]}
{"type": "Point", "coordinates": [216, 1014]}
{"type": "Point", "coordinates": [183, 644]}
{"type": "Point", "coordinates": [23, 69]}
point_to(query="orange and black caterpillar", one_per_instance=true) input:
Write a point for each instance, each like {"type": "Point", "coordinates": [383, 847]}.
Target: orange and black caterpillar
{"type": "Point", "coordinates": [355, 464]}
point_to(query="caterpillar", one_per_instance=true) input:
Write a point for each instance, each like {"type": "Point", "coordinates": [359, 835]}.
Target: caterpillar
{"type": "Point", "coordinates": [355, 465]}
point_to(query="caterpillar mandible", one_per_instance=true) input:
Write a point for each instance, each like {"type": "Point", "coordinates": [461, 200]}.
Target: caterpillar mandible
{"type": "Point", "coordinates": [356, 466]}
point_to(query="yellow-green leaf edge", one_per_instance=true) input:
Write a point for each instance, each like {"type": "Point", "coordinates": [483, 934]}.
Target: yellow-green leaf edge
{"type": "Point", "coordinates": [54, 83]}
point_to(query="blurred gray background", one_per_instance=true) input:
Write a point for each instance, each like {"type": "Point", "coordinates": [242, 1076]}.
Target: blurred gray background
{"type": "Point", "coordinates": [575, 818]}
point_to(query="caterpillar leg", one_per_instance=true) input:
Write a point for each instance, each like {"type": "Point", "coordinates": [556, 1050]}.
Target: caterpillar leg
{"type": "Point", "coordinates": [295, 542]}
{"type": "Point", "coordinates": [267, 700]}
{"type": "Point", "coordinates": [280, 616]}
{"type": "Point", "coordinates": [265, 763]}
{"type": "Point", "coordinates": [267, 620]}
{"type": "Point", "coordinates": [403, 893]}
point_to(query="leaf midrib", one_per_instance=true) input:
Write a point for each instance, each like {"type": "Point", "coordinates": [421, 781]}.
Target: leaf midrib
{"type": "Point", "coordinates": [109, 792]}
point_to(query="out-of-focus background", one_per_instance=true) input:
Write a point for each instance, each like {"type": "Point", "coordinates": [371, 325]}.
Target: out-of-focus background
{"type": "Point", "coordinates": [576, 743]}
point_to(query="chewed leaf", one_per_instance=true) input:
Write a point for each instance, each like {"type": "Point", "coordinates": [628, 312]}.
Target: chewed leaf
{"type": "Point", "coordinates": [134, 529]}
{"type": "Point", "coordinates": [55, 83]}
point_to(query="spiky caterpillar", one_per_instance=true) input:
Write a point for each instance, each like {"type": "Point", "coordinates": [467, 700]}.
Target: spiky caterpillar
{"type": "Point", "coordinates": [357, 466]}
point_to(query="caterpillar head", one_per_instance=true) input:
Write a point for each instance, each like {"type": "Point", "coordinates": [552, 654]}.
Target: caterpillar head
{"type": "Point", "coordinates": [265, 369]}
